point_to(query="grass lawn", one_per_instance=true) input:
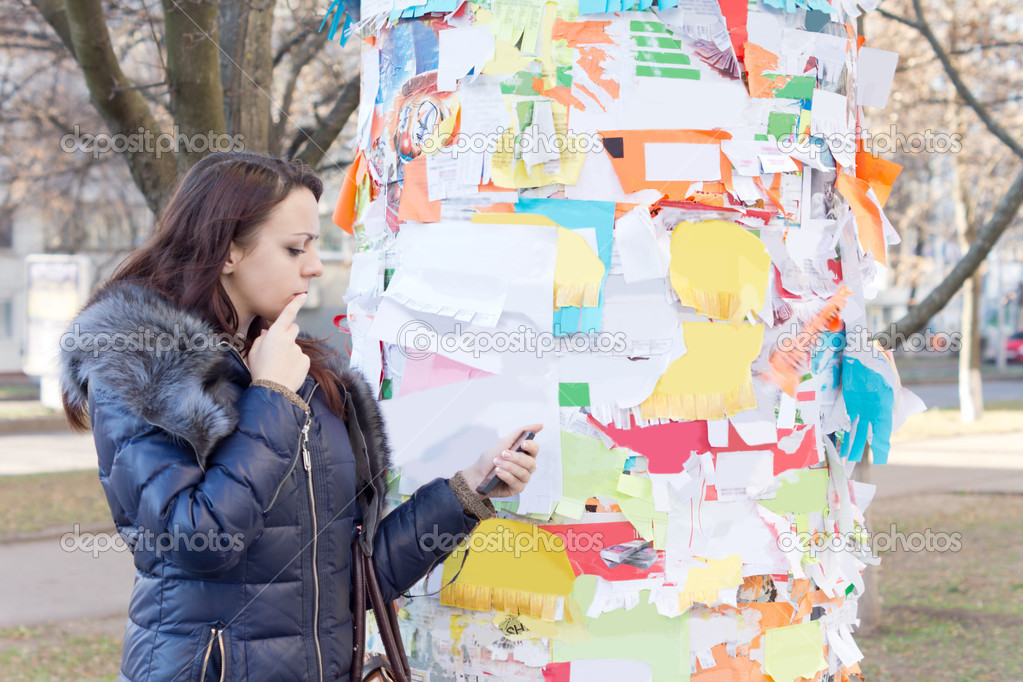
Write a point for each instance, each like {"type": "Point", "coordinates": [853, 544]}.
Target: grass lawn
{"type": "Point", "coordinates": [83, 650]}
{"type": "Point", "coordinates": [37, 502]}
{"type": "Point", "coordinates": [25, 409]}
{"type": "Point", "coordinates": [19, 392]}
{"type": "Point", "coordinates": [950, 615]}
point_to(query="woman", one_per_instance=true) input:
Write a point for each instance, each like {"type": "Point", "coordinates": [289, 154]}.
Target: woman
{"type": "Point", "coordinates": [241, 478]}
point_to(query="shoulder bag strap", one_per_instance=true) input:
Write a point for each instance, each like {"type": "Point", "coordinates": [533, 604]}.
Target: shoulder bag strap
{"type": "Point", "coordinates": [387, 620]}
{"type": "Point", "coordinates": [358, 612]}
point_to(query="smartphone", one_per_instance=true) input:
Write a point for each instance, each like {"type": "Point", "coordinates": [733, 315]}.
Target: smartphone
{"type": "Point", "coordinates": [492, 480]}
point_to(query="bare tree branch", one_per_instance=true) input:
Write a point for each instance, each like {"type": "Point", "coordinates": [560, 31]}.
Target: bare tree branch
{"type": "Point", "coordinates": [914, 62]}
{"type": "Point", "coordinates": [301, 59]}
{"type": "Point", "coordinates": [37, 47]}
{"type": "Point", "coordinates": [152, 62]}
{"type": "Point", "coordinates": [56, 16]}
{"type": "Point", "coordinates": [987, 237]}
{"type": "Point", "coordinates": [142, 87]}
{"type": "Point", "coordinates": [288, 46]}
{"type": "Point", "coordinates": [17, 88]}
{"type": "Point", "coordinates": [990, 103]}
{"type": "Point", "coordinates": [988, 217]}
{"type": "Point", "coordinates": [953, 74]}
{"type": "Point", "coordinates": [153, 35]}
{"type": "Point", "coordinates": [122, 109]}
{"type": "Point", "coordinates": [315, 146]}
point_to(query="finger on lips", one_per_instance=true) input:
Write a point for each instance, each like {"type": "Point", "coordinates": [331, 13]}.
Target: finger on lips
{"type": "Point", "coordinates": [287, 316]}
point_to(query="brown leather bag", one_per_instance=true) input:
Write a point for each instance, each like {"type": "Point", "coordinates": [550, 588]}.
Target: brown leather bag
{"type": "Point", "coordinates": [394, 666]}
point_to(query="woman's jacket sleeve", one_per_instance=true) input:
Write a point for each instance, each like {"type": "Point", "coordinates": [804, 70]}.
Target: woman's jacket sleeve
{"type": "Point", "coordinates": [172, 500]}
{"type": "Point", "coordinates": [418, 534]}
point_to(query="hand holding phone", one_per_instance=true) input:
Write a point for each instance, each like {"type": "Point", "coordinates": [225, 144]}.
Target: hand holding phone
{"type": "Point", "coordinates": [491, 480]}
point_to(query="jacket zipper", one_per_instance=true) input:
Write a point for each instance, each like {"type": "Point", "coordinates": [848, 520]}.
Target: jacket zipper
{"type": "Point", "coordinates": [307, 461]}
{"type": "Point", "coordinates": [216, 636]}
{"type": "Point", "coordinates": [223, 661]}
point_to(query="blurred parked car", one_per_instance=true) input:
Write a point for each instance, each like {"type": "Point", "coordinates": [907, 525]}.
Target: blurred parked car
{"type": "Point", "coordinates": [1014, 347]}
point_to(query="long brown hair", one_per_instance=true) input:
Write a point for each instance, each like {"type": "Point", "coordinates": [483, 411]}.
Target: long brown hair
{"type": "Point", "coordinates": [224, 198]}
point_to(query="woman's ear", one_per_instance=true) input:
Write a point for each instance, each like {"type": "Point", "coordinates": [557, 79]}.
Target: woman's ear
{"type": "Point", "coordinates": [233, 258]}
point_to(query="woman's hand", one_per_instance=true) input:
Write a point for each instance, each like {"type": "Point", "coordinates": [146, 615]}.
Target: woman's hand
{"type": "Point", "coordinates": [513, 468]}
{"type": "Point", "coordinates": [275, 356]}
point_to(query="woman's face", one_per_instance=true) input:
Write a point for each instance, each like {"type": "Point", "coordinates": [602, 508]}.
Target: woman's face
{"type": "Point", "coordinates": [279, 265]}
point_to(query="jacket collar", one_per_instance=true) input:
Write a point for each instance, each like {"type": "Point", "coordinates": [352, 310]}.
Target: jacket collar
{"type": "Point", "coordinates": [241, 375]}
{"type": "Point", "coordinates": [155, 356]}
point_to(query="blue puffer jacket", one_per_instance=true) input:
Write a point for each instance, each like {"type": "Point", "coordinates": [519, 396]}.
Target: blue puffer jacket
{"type": "Point", "coordinates": [240, 505]}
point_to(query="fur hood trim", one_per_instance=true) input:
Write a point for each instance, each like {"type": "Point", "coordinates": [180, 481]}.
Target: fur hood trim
{"type": "Point", "coordinates": [155, 356]}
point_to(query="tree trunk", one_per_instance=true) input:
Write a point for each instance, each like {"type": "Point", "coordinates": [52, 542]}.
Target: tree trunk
{"type": "Point", "coordinates": [193, 77]}
{"type": "Point", "coordinates": [869, 603]}
{"type": "Point", "coordinates": [1019, 307]}
{"type": "Point", "coordinates": [246, 70]}
{"type": "Point", "coordinates": [918, 255]}
{"type": "Point", "coordinates": [971, 399]}
{"type": "Point", "coordinates": [219, 76]}
{"type": "Point", "coordinates": [1001, 317]}
{"type": "Point", "coordinates": [124, 110]}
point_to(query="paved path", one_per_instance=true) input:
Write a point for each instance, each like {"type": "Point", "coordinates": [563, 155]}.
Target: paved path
{"type": "Point", "coordinates": [37, 453]}
{"type": "Point", "coordinates": [44, 582]}
{"type": "Point", "coordinates": [991, 463]}
{"type": "Point", "coordinates": [947, 394]}
{"type": "Point", "coordinates": [39, 580]}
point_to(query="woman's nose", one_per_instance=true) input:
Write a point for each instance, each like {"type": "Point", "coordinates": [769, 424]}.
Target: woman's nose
{"type": "Point", "coordinates": [314, 266]}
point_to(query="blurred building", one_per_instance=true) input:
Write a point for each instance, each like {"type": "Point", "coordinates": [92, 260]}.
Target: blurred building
{"type": "Point", "coordinates": [18, 238]}
{"type": "Point", "coordinates": [25, 237]}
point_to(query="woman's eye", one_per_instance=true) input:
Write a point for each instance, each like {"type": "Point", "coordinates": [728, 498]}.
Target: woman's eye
{"type": "Point", "coordinates": [295, 252]}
